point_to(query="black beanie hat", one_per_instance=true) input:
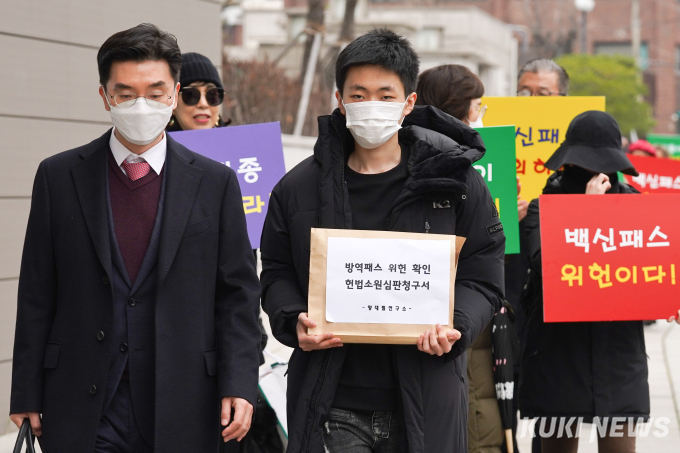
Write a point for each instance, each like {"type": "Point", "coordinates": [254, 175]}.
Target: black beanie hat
{"type": "Point", "coordinates": [197, 68]}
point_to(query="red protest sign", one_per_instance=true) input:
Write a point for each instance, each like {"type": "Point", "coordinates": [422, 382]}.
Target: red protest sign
{"type": "Point", "coordinates": [610, 257]}
{"type": "Point", "coordinates": [656, 175]}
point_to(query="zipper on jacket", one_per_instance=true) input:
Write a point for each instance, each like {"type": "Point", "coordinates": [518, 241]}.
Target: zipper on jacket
{"type": "Point", "coordinates": [342, 177]}
{"type": "Point", "coordinates": [427, 227]}
{"type": "Point", "coordinates": [316, 401]}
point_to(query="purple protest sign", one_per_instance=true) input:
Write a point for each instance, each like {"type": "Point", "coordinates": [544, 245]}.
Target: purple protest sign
{"type": "Point", "coordinates": [255, 153]}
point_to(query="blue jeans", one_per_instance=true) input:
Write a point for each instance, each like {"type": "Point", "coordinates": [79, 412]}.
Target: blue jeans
{"type": "Point", "coordinates": [364, 432]}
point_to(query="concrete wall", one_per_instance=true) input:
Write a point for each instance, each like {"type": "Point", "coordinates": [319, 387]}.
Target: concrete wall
{"type": "Point", "coordinates": [49, 103]}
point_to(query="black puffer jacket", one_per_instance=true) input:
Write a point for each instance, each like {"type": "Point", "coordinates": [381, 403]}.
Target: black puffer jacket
{"type": "Point", "coordinates": [433, 389]}
{"type": "Point", "coordinates": [578, 369]}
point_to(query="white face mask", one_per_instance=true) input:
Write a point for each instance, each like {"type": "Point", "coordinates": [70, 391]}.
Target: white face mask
{"type": "Point", "coordinates": [140, 124]}
{"type": "Point", "coordinates": [373, 123]}
{"type": "Point", "coordinates": [478, 123]}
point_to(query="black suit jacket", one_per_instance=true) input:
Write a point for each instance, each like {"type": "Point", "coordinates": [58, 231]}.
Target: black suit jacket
{"type": "Point", "coordinates": [206, 333]}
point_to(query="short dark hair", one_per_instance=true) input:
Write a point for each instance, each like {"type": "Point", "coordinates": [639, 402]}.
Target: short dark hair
{"type": "Point", "coordinates": [450, 88]}
{"type": "Point", "coordinates": [380, 47]}
{"type": "Point", "coordinates": [141, 43]}
{"type": "Point", "coordinates": [545, 65]}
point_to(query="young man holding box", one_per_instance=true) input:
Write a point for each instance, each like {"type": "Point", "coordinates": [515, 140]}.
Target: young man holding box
{"type": "Point", "coordinates": [368, 173]}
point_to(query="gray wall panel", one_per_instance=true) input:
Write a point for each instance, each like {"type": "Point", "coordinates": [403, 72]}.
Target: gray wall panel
{"type": "Point", "coordinates": [26, 142]}
{"type": "Point", "coordinates": [5, 387]}
{"type": "Point", "coordinates": [49, 80]}
{"type": "Point", "coordinates": [8, 308]}
{"type": "Point", "coordinates": [196, 23]}
{"type": "Point", "coordinates": [13, 219]}
{"type": "Point", "coordinates": [55, 80]}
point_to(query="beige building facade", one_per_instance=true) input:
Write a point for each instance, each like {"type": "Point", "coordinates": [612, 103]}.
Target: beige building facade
{"type": "Point", "coordinates": [463, 35]}
{"type": "Point", "coordinates": [49, 103]}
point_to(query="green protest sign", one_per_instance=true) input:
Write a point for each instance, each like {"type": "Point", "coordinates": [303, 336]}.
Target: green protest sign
{"type": "Point", "coordinates": [671, 142]}
{"type": "Point", "coordinates": [498, 168]}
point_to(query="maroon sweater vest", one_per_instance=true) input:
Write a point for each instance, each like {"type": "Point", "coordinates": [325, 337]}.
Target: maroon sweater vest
{"type": "Point", "coordinates": [134, 205]}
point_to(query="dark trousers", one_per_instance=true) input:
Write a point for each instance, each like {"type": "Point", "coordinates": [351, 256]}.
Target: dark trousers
{"type": "Point", "coordinates": [607, 444]}
{"type": "Point", "coordinates": [118, 431]}
{"type": "Point", "coordinates": [364, 432]}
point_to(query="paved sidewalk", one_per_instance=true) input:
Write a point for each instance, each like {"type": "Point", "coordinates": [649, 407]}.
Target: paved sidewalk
{"type": "Point", "coordinates": [664, 412]}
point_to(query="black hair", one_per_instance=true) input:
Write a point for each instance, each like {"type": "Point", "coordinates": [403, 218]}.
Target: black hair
{"type": "Point", "coordinates": [380, 47]}
{"type": "Point", "coordinates": [141, 43]}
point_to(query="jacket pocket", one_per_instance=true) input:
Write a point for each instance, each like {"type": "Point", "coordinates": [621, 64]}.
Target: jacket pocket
{"type": "Point", "coordinates": [211, 361]}
{"type": "Point", "coordinates": [52, 355]}
{"type": "Point", "coordinates": [439, 217]}
{"type": "Point", "coordinates": [198, 227]}
{"type": "Point", "coordinates": [300, 230]}
{"type": "Point", "coordinates": [339, 414]}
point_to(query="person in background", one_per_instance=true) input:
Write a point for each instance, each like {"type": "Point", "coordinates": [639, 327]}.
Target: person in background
{"type": "Point", "coordinates": [201, 96]}
{"type": "Point", "coordinates": [542, 77]}
{"type": "Point", "coordinates": [453, 89]}
{"type": "Point", "coordinates": [625, 143]}
{"type": "Point", "coordinates": [662, 152]}
{"type": "Point", "coordinates": [582, 369]}
{"type": "Point", "coordinates": [138, 295]}
{"type": "Point", "coordinates": [642, 148]}
{"type": "Point", "coordinates": [456, 90]}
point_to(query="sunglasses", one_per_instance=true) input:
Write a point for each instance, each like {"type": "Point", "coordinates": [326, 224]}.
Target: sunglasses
{"type": "Point", "coordinates": [191, 96]}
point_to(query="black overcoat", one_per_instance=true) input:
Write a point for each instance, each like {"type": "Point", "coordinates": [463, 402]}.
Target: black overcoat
{"type": "Point", "coordinates": [206, 333]}
{"type": "Point", "coordinates": [578, 369]}
{"type": "Point", "coordinates": [443, 194]}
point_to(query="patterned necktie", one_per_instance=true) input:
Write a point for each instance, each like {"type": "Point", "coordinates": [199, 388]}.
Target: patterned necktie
{"type": "Point", "coordinates": [136, 170]}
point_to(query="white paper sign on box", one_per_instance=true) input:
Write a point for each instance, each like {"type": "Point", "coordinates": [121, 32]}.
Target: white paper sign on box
{"type": "Point", "coordinates": [388, 281]}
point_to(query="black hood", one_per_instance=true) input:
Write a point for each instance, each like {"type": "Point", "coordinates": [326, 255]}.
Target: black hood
{"type": "Point", "coordinates": [464, 140]}
{"type": "Point", "coordinates": [442, 148]}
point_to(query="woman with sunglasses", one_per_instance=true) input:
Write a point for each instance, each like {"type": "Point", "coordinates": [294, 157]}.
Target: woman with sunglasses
{"type": "Point", "coordinates": [201, 95]}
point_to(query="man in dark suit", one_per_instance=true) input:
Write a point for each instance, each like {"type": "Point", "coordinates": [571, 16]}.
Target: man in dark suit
{"type": "Point", "coordinates": [138, 297]}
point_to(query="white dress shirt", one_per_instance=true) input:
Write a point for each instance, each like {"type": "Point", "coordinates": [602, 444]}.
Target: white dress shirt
{"type": "Point", "coordinates": [155, 156]}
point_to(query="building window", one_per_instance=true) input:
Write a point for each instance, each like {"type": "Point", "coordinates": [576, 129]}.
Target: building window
{"type": "Point", "coordinates": [296, 25]}
{"type": "Point", "coordinates": [429, 38]}
{"type": "Point", "coordinates": [339, 8]}
{"type": "Point", "coordinates": [623, 48]}
{"type": "Point", "coordinates": [677, 59]}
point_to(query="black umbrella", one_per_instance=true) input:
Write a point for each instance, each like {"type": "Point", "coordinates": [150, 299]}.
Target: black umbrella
{"type": "Point", "coordinates": [505, 348]}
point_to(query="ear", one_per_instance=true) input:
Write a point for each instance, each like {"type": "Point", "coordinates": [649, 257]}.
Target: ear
{"type": "Point", "coordinates": [410, 105]}
{"type": "Point", "coordinates": [341, 106]}
{"type": "Point", "coordinates": [176, 96]}
{"type": "Point", "coordinates": [102, 93]}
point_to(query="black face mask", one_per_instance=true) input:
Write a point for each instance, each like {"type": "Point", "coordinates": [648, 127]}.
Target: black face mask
{"type": "Point", "coordinates": [575, 179]}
